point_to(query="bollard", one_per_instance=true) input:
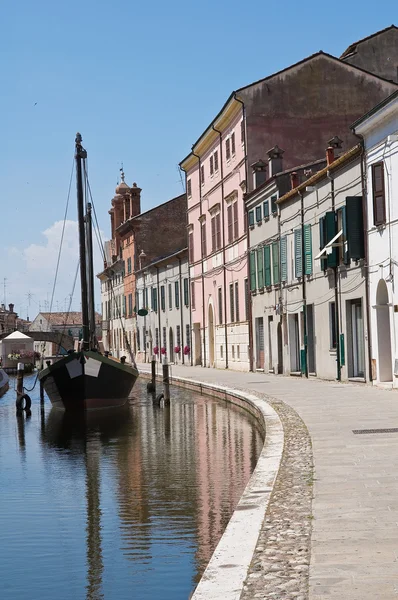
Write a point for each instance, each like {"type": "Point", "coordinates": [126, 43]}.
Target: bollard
{"type": "Point", "coordinates": [166, 381]}
{"type": "Point", "coordinates": [41, 392]}
{"type": "Point", "coordinates": [153, 369]}
{"type": "Point", "coordinates": [20, 370]}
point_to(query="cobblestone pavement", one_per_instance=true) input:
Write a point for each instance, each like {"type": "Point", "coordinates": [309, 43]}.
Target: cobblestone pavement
{"type": "Point", "coordinates": [354, 541]}
{"type": "Point", "coordinates": [280, 565]}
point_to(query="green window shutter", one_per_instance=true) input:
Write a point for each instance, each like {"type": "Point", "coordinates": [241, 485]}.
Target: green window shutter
{"type": "Point", "coordinates": [284, 258]}
{"type": "Point", "coordinates": [354, 226]}
{"type": "Point", "coordinates": [260, 268]}
{"type": "Point", "coordinates": [298, 250]}
{"type": "Point", "coordinates": [332, 258]}
{"type": "Point", "coordinates": [267, 265]}
{"type": "Point", "coordinates": [186, 292]}
{"type": "Point", "coordinates": [322, 243]}
{"type": "Point", "coordinates": [344, 248]}
{"type": "Point", "coordinates": [342, 350]}
{"type": "Point", "coordinates": [275, 262]}
{"type": "Point", "coordinates": [266, 209]}
{"type": "Point", "coordinates": [252, 258]}
{"type": "Point", "coordinates": [251, 217]}
{"type": "Point", "coordinates": [273, 204]}
{"type": "Point", "coordinates": [258, 214]}
{"type": "Point", "coordinates": [307, 250]}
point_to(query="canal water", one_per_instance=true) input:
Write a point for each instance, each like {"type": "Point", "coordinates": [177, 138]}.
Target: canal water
{"type": "Point", "coordinates": [120, 505]}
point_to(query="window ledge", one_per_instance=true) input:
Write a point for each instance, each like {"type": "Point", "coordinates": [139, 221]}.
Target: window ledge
{"type": "Point", "coordinates": [251, 226]}
{"type": "Point", "coordinates": [259, 222]}
{"type": "Point", "coordinates": [261, 290]}
{"type": "Point", "coordinates": [332, 352]}
{"type": "Point", "coordinates": [254, 293]}
{"type": "Point", "coordinates": [266, 219]}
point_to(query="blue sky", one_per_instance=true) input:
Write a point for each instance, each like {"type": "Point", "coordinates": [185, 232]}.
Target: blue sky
{"type": "Point", "coordinates": [140, 81]}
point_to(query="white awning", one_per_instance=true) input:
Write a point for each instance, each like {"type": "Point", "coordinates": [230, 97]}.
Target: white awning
{"type": "Point", "coordinates": [330, 245]}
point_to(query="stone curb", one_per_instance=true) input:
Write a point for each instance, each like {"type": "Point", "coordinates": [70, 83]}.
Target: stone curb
{"type": "Point", "coordinates": [228, 567]}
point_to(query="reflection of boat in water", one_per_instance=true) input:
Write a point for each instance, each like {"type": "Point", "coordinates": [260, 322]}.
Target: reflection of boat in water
{"type": "Point", "coordinates": [4, 382]}
{"type": "Point", "coordinates": [85, 435]}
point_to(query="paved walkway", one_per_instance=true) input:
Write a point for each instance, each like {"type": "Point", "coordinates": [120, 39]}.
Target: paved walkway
{"type": "Point", "coordinates": [354, 547]}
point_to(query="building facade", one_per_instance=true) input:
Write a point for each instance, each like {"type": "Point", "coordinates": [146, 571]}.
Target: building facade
{"type": "Point", "coordinates": [8, 319]}
{"type": "Point", "coordinates": [379, 130]}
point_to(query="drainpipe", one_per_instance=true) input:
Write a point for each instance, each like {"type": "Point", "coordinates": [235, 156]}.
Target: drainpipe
{"type": "Point", "coordinates": [223, 248]}
{"type": "Point", "coordinates": [303, 285]}
{"type": "Point", "coordinates": [158, 307]}
{"type": "Point", "coordinates": [366, 244]}
{"type": "Point", "coordinates": [203, 279]}
{"type": "Point", "coordinates": [249, 299]}
{"type": "Point", "coordinates": [336, 292]}
{"type": "Point", "coordinates": [181, 307]}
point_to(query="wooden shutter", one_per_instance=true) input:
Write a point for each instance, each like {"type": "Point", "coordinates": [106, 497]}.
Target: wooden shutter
{"type": "Point", "coordinates": [236, 302]}
{"type": "Point", "coordinates": [354, 227]}
{"type": "Point", "coordinates": [258, 214]}
{"type": "Point", "coordinates": [233, 143]}
{"type": "Point", "coordinates": [251, 217]}
{"type": "Point", "coordinates": [322, 243]}
{"type": "Point", "coordinates": [190, 247]}
{"type": "Point", "coordinates": [266, 209]}
{"type": "Point", "coordinates": [284, 258]}
{"type": "Point", "coordinates": [218, 224]}
{"type": "Point", "coordinates": [274, 207]}
{"type": "Point", "coordinates": [230, 226]}
{"type": "Point", "coordinates": [379, 202]}
{"type": "Point", "coordinates": [242, 131]}
{"type": "Point", "coordinates": [260, 268]}
{"type": "Point", "coordinates": [307, 250]}
{"type": "Point", "coordinates": [186, 292]}
{"type": "Point", "coordinates": [252, 260]}
{"type": "Point", "coordinates": [236, 225]}
{"type": "Point", "coordinates": [204, 241]}
{"type": "Point", "coordinates": [216, 160]}
{"type": "Point", "coordinates": [275, 262]}
{"type": "Point", "coordinates": [193, 306]}
{"type": "Point", "coordinates": [267, 266]}
{"type": "Point", "coordinates": [330, 227]}
{"type": "Point", "coordinates": [177, 294]}
{"type": "Point", "coordinates": [189, 188]}
{"type": "Point", "coordinates": [231, 303]}
{"type": "Point", "coordinates": [227, 149]}
{"type": "Point", "coordinates": [298, 253]}
{"type": "Point", "coordinates": [162, 298]}
{"type": "Point", "coordinates": [220, 311]}
{"type": "Point", "coordinates": [211, 165]}
{"type": "Point", "coordinates": [170, 296]}
{"type": "Point", "coordinates": [213, 234]}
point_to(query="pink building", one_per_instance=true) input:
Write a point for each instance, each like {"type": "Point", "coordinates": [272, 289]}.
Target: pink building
{"type": "Point", "coordinates": [217, 242]}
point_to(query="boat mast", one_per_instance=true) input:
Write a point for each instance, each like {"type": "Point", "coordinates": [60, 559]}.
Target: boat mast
{"type": "Point", "coordinates": [80, 155]}
{"type": "Point", "coordinates": [90, 275]}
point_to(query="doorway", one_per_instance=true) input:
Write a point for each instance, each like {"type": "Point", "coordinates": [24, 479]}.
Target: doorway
{"type": "Point", "coordinates": [357, 339]}
{"type": "Point", "coordinates": [294, 343]}
{"type": "Point", "coordinates": [211, 336]}
{"type": "Point", "coordinates": [260, 343]}
{"type": "Point", "coordinates": [311, 339]}
{"type": "Point", "coordinates": [270, 336]}
{"type": "Point", "coordinates": [383, 332]}
{"type": "Point", "coordinates": [280, 348]}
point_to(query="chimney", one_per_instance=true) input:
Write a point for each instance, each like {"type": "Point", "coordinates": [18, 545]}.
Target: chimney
{"type": "Point", "coordinates": [11, 307]}
{"type": "Point", "coordinates": [259, 169]}
{"type": "Point", "coordinates": [331, 151]}
{"type": "Point", "coordinates": [294, 180]}
{"type": "Point", "coordinates": [329, 155]}
{"type": "Point", "coordinates": [275, 159]}
{"type": "Point", "coordinates": [135, 200]}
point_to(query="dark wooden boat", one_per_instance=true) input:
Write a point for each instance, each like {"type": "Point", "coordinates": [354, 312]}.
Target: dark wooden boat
{"type": "Point", "coordinates": [4, 385]}
{"type": "Point", "coordinates": [86, 379]}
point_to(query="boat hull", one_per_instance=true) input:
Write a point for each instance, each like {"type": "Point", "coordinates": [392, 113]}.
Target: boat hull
{"type": "Point", "coordinates": [88, 381]}
{"type": "Point", "coordinates": [4, 384]}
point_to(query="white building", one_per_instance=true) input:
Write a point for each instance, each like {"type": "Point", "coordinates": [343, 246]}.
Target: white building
{"type": "Point", "coordinates": [379, 129]}
{"type": "Point", "coordinates": [162, 289]}
{"type": "Point", "coordinates": [17, 346]}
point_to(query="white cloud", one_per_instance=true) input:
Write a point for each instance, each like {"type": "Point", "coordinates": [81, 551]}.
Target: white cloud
{"type": "Point", "coordinates": [32, 269]}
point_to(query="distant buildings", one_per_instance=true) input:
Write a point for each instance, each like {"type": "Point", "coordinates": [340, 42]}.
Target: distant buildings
{"type": "Point", "coordinates": [68, 323]}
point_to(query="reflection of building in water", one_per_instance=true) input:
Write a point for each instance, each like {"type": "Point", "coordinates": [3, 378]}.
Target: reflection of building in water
{"type": "Point", "coordinates": [95, 565]}
{"type": "Point", "coordinates": [228, 445]}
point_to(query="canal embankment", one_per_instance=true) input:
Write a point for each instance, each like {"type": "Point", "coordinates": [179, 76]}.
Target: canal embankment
{"type": "Point", "coordinates": [332, 517]}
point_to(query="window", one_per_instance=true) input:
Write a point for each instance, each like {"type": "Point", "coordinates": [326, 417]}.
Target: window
{"type": "Point", "coordinates": [129, 265]}
{"type": "Point", "coordinates": [236, 224]}
{"type": "Point", "coordinates": [146, 298]}
{"type": "Point", "coordinates": [189, 188]}
{"type": "Point", "coordinates": [233, 143]}
{"type": "Point", "coordinates": [155, 299]}
{"type": "Point", "coordinates": [178, 331]}
{"type": "Point", "coordinates": [284, 258]}
{"type": "Point", "coordinates": [177, 294]}
{"type": "Point", "coordinates": [252, 262]}
{"type": "Point", "coordinates": [379, 201]}
{"type": "Point", "coordinates": [230, 225]}
{"type": "Point", "coordinates": [258, 214]}
{"type": "Point", "coordinates": [130, 305]}
{"type": "Point", "coordinates": [216, 161]}
{"type": "Point", "coordinates": [190, 246]}
{"type": "Point", "coordinates": [242, 131]}
{"type": "Point", "coordinates": [162, 298]}
{"type": "Point", "coordinates": [124, 306]}
{"type": "Point", "coordinates": [260, 268]}
{"type": "Point", "coordinates": [164, 337]}
{"type": "Point", "coordinates": [138, 340]}
{"type": "Point", "coordinates": [137, 301]}
{"type": "Point", "coordinates": [157, 337]}
{"type": "Point", "coordinates": [231, 303]}
{"type": "Point", "coordinates": [186, 292]}
{"type": "Point", "coordinates": [307, 250]}
{"type": "Point", "coordinates": [236, 301]}
{"type": "Point", "coordinates": [267, 266]}
{"type": "Point", "coordinates": [246, 299]}
{"type": "Point", "coordinates": [203, 234]}
{"type": "Point", "coordinates": [219, 306]}
{"type": "Point", "coordinates": [251, 218]}
{"type": "Point", "coordinates": [170, 296]}
{"type": "Point", "coordinates": [275, 262]}
{"type": "Point", "coordinates": [227, 149]}
{"type": "Point", "coordinates": [273, 204]}
{"type": "Point", "coordinates": [298, 258]}
{"type": "Point", "coordinates": [354, 229]}
{"type": "Point", "coordinates": [192, 295]}
{"type": "Point", "coordinates": [202, 175]}
{"type": "Point", "coordinates": [216, 232]}
{"type": "Point", "coordinates": [266, 209]}
{"type": "Point", "coordinates": [332, 325]}
{"type": "Point", "coordinates": [211, 166]}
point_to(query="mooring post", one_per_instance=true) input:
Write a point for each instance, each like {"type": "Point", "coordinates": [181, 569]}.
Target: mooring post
{"type": "Point", "coordinates": [153, 372]}
{"type": "Point", "coordinates": [41, 392]}
{"type": "Point", "coordinates": [166, 381]}
{"type": "Point", "coordinates": [20, 371]}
